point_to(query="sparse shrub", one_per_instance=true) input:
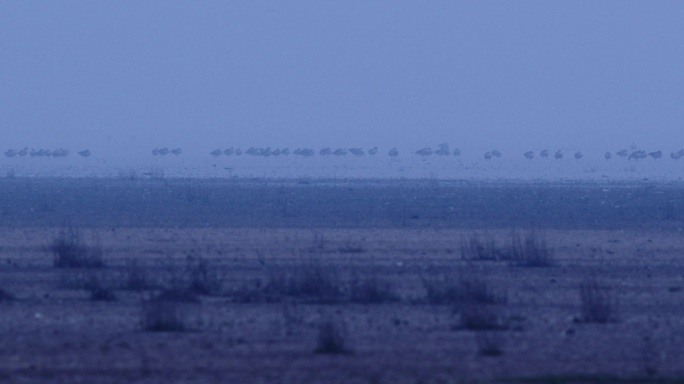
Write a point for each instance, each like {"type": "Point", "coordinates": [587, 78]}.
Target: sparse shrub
{"type": "Point", "coordinates": [331, 338]}
{"type": "Point", "coordinates": [476, 249]}
{"type": "Point", "coordinates": [309, 281]}
{"type": "Point", "coordinates": [481, 317]}
{"type": "Point", "coordinates": [530, 251]}
{"type": "Point", "coordinates": [102, 294]}
{"type": "Point", "coordinates": [598, 305]}
{"type": "Point", "coordinates": [443, 290]}
{"type": "Point", "coordinates": [69, 251]}
{"type": "Point", "coordinates": [5, 296]}
{"type": "Point", "coordinates": [489, 343]}
{"type": "Point", "coordinates": [204, 278]}
{"type": "Point", "coordinates": [136, 277]}
{"type": "Point", "coordinates": [160, 315]}
{"type": "Point", "coordinates": [371, 290]}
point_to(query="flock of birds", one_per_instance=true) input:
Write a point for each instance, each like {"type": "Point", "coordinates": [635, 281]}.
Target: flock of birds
{"type": "Point", "coordinates": [441, 150]}
{"type": "Point", "coordinates": [61, 152]}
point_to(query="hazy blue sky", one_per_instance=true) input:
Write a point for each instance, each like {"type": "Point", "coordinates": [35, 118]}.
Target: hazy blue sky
{"type": "Point", "coordinates": [584, 74]}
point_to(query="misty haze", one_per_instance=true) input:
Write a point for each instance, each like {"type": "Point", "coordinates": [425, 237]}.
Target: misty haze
{"type": "Point", "coordinates": [352, 192]}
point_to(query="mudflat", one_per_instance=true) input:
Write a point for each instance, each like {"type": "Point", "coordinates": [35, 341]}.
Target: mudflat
{"type": "Point", "coordinates": [340, 281]}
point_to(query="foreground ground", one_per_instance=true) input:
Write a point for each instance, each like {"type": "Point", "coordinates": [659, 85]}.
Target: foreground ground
{"type": "Point", "coordinates": [399, 289]}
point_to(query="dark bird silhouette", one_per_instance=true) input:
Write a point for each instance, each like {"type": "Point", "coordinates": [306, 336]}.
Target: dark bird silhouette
{"type": "Point", "coordinates": [578, 155]}
{"type": "Point", "coordinates": [496, 153]}
{"type": "Point", "coordinates": [656, 155]}
{"type": "Point", "coordinates": [544, 153]}
{"type": "Point", "coordinates": [373, 151]}
{"type": "Point", "coordinates": [238, 151]}
{"type": "Point", "coordinates": [85, 153]}
{"type": "Point", "coordinates": [340, 152]}
{"type": "Point", "coordinates": [10, 153]}
{"type": "Point", "coordinates": [356, 151]}
{"type": "Point", "coordinates": [228, 151]}
{"type": "Point", "coordinates": [155, 152]}
{"type": "Point", "coordinates": [443, 150]}
{"type": "Point", "coordinates": [558, 155]}
{"type": "Point", "coordinates": [637, 155]}
{"type": "Point", "coordinates": [457, 152]}
{"type": "Point", "coordinates": [177, 151]}
{"type": "Point", "coordinates": [529, 155]}
{"type": "Point", "coordinates": [622, 153]}
{"type": "Point", "coordinates": [677, 155]}
{"type": "Point", "coordinates": [424, 152]}
{"type": "Point", "coordinates": [607, 155]}
{"type": "Point", "coordinates": [393, 152]}
{"type": "Point", "coordinates": [488, 155]}
{"type": "Point", "coordinates": [325, 152]}
{"type": "Point", "coordinates": [216, 152]}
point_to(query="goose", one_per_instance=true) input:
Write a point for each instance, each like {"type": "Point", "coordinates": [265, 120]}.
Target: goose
{"type": "Point", "coordinates": [228, 151]}
{"type": "Point", "coordinates": [393, 152]}
{"type": "Point", "coordinates": [84, 153]}
{"type": "Point", "coordinates": [177, 151]}
{"type": "Point", "coordinates": [340, 152]}
{"type": "Point", "coordinates": [656, 155]}
{"type": "Point", "coordinates": [424, 152]}
{"type": "Point", "coordinates": [488, 155]}
{"type": "Point", "coordinates": [578, 155]}
{"type": "Point", "coordinates": [23, 152]}
{"type": "Point", "coordinates": [544, 153]}
{"type": "Point", "coordinates": [10, 153]}
{"type": "Point", "coordinates": [558, 155]}
{"type": "Point", "coordinates": [216, 152]}
{"type": "Point", "coordinates": [373, 151]}
{"type": "Point", "coordinates": [457, 152]}
{"type": "Point", "coordinates": [325, 151]}
{"type": "Point", "coordinates": [496, 153]}
{"type": "Point", "coordinates": [607, 155]}
{"type": "Point", "coordinates": [443, 150]}
{"type": "Point", "coordinates": [529, 155]}
{"type": "Point", "coordinates": [357, 151]}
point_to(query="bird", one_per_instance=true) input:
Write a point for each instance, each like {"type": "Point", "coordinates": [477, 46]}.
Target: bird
{"type": "Point", "coordinates": [373, 151]}
{"type": "Point", "coordinates": [637, 155]}
{"type": "Point", "coordinates": [306, 152]}
{"type": "Point", "coordinates": [457, 152]}
{"type": "Point", "coordinates": [424, 152]}
{"type": "Point", "coordinates": [443, 150]}
{"type": "Point", "coordinates": [607, 155]}
{"type": "Point", "coordinates": [10, 153]}
{"type": "Point", "coordinates": [544, 153]}
{"type": "Point", "coordinates": [622, 153]}
{"type": "Point", "coordinates": [177, 151]}
{"type": "Point", "coordinates": [393, 152]}
{"type": "Point", "coordinates": [677, 155]}
{"type": "Point", "coordinates": [155, 152]}
{"type": "Point", "coordinates": [85, 153]}
{"type": "Point", "coordinates": [357, 151]}
{"type": "Point", "coordinates": [558, 155]}
{"type": "Point", "coordinates": [238, 152]}
{"type": "Point", "coordinates": [578, 155]}
{"type": "Point", "coordinates": [276, 152]}
{"type": "Point", "coordinates": [656, 155]}
{"type": "Point", "coordinates": [340, 152]}
{"type": "Point", "coordinates": [228, 151]}
{"type": "Point", "coordinates": [496, 153]}
{"type": "Point", "coordinates": [529, 155]}
{"type": "Point", "coordinates": [216, 152]}
{"type": "Point", "coordinates": [487, 155]}
{"type": "Point", "coordinates": [23, 152]}
{"type": "Point", "coordinates": [60, 152]}
{"type": "Point", "coordinates": [325, 152]}
{"type": "Point", "coordinates": [164, 151]}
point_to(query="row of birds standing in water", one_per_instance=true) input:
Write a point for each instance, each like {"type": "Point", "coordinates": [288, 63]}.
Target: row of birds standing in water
{"type": "Point", "coordinates": [61, 152]}
{"type": "Point", "coordinates": [442, 150]}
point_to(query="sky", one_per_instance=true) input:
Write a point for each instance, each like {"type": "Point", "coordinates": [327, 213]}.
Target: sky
{"type": "Point", "coordinates": [132, 75]}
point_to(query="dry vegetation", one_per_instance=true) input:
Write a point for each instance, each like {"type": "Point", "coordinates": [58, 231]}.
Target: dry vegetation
{"type": "Point", "coordinates": [250, 304]}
